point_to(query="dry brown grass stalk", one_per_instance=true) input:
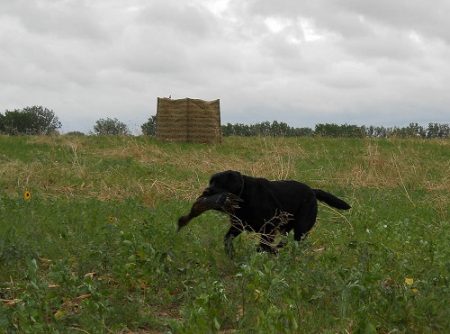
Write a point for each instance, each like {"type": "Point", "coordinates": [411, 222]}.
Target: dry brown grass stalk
{"type": "Point", "coordinates": [174, 171]}
{"type": "Point", "coordinates": [280, 219]}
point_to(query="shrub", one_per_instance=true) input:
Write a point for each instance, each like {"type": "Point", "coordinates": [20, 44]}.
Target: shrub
{"type": "Point", "coordinates": [35, 120]}
{"type": "Point", "coordinates": [149, 128]}
{"type": "Point", "coordinates": [75, 134]}
{"type": "Point", "coordinates": [109, 126]}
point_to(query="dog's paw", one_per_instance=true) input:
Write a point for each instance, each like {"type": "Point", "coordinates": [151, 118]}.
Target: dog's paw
{"type": "Point", "coordinates": [267, 249]}
{"type": "Point", "coordinates": [229, 249]}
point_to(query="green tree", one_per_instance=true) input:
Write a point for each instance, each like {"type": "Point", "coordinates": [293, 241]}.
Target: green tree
{"type": "Point", "coordinates": [335, 130]}
{"type": "Point", "coordinates": [436, 130]}
{"type": "Point", "coordinates": [110, 127]}
{"type": "Point", "coordinates": [149, 127]}
{"type": "Point", "coordinates": [75, 134]}
{"type": "Point", "coordinates": [35, 120]}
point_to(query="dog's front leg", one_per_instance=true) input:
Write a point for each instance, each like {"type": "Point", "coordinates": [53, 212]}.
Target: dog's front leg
{"type": "Point", "coordinates": [265, 244]}
{"type": "Point", "coordinates": [232, 233]}
{"type": "Point", "coordinates": [284, 239]}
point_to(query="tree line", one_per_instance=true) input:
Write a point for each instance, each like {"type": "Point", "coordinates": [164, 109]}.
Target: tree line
{"type": "Point", "coordinates": [37, 120]}
{"type": "Point", "coordinates": [276, 129]}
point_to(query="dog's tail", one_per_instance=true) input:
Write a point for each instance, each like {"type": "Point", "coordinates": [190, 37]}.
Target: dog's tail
{"type": "Point", "coordinates": [331, 200]}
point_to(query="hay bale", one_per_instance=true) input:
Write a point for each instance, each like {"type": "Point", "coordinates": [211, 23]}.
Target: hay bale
{"type": "Point", "coordinates": [189, 120]}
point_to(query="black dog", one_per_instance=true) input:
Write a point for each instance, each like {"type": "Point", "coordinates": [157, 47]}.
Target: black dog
{"type": "Point", "coordinates": [263, 206]}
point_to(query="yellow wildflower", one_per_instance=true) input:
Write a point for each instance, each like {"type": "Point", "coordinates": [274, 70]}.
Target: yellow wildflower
{"type": "Point", "coordinates": [27, 195]}
{"type": "Point", "coordinates": [409, 281]}
{"type": "Point", "coordinates": [60, 314]}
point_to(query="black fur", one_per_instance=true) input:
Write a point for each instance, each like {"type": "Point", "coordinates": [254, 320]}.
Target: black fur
{"type": "Point", "coordinates": [268, 207]}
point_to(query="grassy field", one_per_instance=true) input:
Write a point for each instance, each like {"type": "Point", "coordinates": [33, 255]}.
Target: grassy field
{"type": "Point", "coordinates": [88, 241]}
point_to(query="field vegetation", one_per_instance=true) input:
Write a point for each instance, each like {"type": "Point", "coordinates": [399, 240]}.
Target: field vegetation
{"type": "Point", "coordinates": [88, 240]}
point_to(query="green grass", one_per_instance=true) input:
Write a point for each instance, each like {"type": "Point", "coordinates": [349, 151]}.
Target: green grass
{"type": "Point", "coordinates": [95, 250]}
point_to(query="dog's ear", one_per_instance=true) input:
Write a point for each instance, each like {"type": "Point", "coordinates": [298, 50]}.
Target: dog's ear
{"type": "Point", "coordinates": [230, 171]}
{"type": "Point", "coordinates": [223, 177]}
{"type": "Point", "coordinates": [229, 181]}
{"type": "Point", "coordinates": [235, 174]}
{"type": "Point", "coordinates": [234, 181]}
{"type": "Point", "coordinates": [232, 174]}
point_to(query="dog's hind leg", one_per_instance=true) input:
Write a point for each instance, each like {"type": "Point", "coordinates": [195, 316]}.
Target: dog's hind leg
{"type": "Point", "coordinates": [232, 233]}
{"type": "Point", "coordinates": [305, 219]}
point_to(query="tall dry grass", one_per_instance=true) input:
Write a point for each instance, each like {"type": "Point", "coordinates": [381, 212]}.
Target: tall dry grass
{"type": "Point", "coordinates": [118, 168]}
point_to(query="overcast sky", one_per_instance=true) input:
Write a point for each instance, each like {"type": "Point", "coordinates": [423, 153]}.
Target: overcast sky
{"type": "Point", "coordinates": [301, 62]}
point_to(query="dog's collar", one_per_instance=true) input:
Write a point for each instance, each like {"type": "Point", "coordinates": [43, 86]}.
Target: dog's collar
{"type": "Point", "coordinates": [242, 185]}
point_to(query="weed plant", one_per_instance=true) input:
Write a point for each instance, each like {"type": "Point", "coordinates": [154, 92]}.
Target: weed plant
{"type": "Point", "coordinates": [94, 248]}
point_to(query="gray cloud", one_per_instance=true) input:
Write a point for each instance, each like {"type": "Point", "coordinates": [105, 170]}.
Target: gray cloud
{"type": "Point", "coordinates": [298, 62]}
{"type": "Point", "coordinates": [60, 19]}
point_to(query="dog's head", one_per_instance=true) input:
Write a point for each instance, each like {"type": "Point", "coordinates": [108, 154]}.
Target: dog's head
{"type": "Point", "coordinates": [229, 181]}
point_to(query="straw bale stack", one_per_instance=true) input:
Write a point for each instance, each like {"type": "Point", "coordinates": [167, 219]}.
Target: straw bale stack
{"type": "Point", "coordinates": [189, 120]}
